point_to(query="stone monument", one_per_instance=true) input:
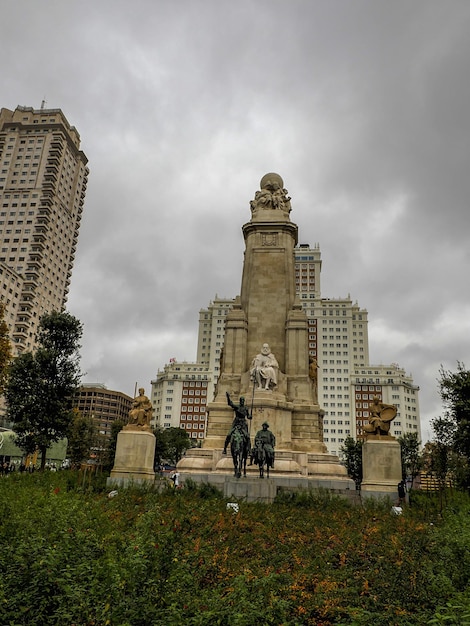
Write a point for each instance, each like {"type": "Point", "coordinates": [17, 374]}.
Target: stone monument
{"type": "Point", "coordinates": [266, 359]}
{"type": "Point", "coordinates": [381, 458]}
{"type": "Point", "coordinates": [135, 448]}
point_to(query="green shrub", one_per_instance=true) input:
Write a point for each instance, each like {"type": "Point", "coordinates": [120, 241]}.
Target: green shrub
{"type": "Point", "coordinates": [74, 556]}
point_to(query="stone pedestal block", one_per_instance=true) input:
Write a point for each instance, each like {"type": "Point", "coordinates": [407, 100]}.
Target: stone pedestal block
{"type": "Point", "coordinates": [381, 465]}
{"type": "Point", "coordinates": [135, 452]}
{"type": "Point", "coordinates": [250, 489]}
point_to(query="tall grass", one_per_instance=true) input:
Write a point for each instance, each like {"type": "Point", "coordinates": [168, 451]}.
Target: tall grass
{"type": "Point", "coordinates": [70, 555]}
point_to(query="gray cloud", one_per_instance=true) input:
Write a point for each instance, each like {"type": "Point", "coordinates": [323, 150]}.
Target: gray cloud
{"type": "Point", "coordinates": [182, 107]}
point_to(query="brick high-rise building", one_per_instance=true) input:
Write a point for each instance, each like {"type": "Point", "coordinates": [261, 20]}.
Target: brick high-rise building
{"type": "Point", "coordinates": [180, 393]}
{"type": "Point", "coordinates": [103, 405]}
{"type": "Point", "coordinates": [43, 179]}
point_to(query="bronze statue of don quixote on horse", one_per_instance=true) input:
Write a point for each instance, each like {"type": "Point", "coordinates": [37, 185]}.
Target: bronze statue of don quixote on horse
{"type": "Point", "coordinates": [239, 441]}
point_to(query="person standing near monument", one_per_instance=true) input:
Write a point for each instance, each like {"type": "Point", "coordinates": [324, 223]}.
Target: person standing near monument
{"type": "Point", "coordinates": [264, 368]}
{"type": "Point", "coordinates": [401, 493]}
{"type": "Point", "coordinates": [175, 477]}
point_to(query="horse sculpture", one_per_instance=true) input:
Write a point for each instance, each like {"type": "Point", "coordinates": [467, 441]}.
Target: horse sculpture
{"type": "Point", "coordinates": [263, 454]}
{"type": "Point", "coordinates": [240, 449]}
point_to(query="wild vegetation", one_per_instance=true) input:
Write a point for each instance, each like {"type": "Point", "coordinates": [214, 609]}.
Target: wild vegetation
{"type": "Point", "coordinates": [72, 555]}
{"type": "Point", "coordinates": [40, 386]}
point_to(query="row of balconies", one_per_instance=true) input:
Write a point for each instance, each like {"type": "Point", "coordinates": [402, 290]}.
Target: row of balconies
{"type": "Point", "coordinates": [45, 207]}
{"type": "Point", "coordinates": [57, 142]}
{"type": "Point", "coordinates": [53, 160]}
{"type": "Point", "coordinates": [56, 148]}
{"type": "Point", "coordinates": [20, 332]}
{"type": "Point", "coordinates": [46, 198]}
{"type": "Point", "coordinates": [50, 176]}
{"type": "Point", "coordinates": [25, 304]}
{"type": "Point", "coordinates": [30, 280]}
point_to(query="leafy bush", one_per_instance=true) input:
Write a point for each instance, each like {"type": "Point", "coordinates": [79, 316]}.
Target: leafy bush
{"type": "Point", "coordinates": [75, 556]}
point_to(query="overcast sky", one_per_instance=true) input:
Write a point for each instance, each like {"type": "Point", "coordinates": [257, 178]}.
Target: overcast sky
{"type": "Point", "coordinates": [362, 106]}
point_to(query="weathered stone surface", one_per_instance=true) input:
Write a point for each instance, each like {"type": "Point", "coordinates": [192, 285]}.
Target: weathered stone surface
{"type": "Point", "coordinates": [268, 312]}
{"type": "Point", "coordinates": [381, 465]}
{"type": "Point", "coordinates": [135, 451]}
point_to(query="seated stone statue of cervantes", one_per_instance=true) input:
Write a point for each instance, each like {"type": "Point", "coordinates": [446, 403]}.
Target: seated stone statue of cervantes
{"type": "Point", "coordinates": [264, 369]}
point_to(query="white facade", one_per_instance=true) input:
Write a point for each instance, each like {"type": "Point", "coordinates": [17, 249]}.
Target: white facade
{"type": "Point", "coordinates": [179, 397]}
{"type": "Point", "coordinates": [338, 340]}
{"type": "Point", "coordinates": [341, 345]}
{"type": "Point", "coordinates": [211, 335]}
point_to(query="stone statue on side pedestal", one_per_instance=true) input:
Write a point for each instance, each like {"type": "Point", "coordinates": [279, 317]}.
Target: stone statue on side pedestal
{"type": "Point", "coordinates": [264, 369]}
{"type": "Point", "coordinates": [135, 446]}
{"type": "Point", "coordinates": [313, 375]}
{"type": "Point", "coordinates": [141, 412]}
{"type": "Point", "coordinates": [381, 459]}
{"type": "Point", "coordinates": [380, 417]}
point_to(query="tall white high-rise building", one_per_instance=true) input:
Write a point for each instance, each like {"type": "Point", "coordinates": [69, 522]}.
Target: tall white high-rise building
{"type": "Point", "coordinates": [338, 341]}
{"type": "Point", "coordinates": [181, 390]}
{"type": "Point", "coordinates": [211, 334]}
{"type": "Point", "coordinates": [43, 179]}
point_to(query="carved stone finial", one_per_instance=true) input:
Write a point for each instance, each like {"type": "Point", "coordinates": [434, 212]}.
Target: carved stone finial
{"type": "Point", "coordinates": [269, 180]}
{"type": "Point", "coordinates": [272, 195]}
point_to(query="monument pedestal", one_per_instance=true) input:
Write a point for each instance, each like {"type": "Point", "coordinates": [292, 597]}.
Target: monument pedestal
{"type": "Point", "coordinates": [250, 489]}
{"type": "Point", "coordinates": [266, 362]}
{"type": "Point", "coordinates": [381, 467]}
{"type": "Point", "coordinates": [135, 452]}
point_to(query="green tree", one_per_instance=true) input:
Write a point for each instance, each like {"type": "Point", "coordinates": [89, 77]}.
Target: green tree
{"type": "Point", "coordinates": [80, 435]}
{"type": "Point", "coordinates": [5, 350]}
{"type": "Point", "coordinates": [454, 388]}
{"type": "Point", "coordinates": [439, 453]}
{"type": "Point", "coordinates": [351, 452]}
{"type": "Point", "coordinates": [110, 450]}
{"type": "Point", "coordinates": [411, 461]}
{"type": "Point", "coordinates": [177, 442]}
{"type": "Point", "coordinates": [41, 386]}
{"type": "Point", "coordinates": [160, 446]}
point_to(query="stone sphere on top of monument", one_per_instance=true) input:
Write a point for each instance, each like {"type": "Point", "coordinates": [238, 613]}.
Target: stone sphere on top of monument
{"type": "Point", "coordinates": [272, 196]}
{"type": "Point", "coordinates": [271, 181]}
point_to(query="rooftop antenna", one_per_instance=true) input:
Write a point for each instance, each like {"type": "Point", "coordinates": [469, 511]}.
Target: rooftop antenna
{"type": "Point", "coordinates": [43, 104]}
